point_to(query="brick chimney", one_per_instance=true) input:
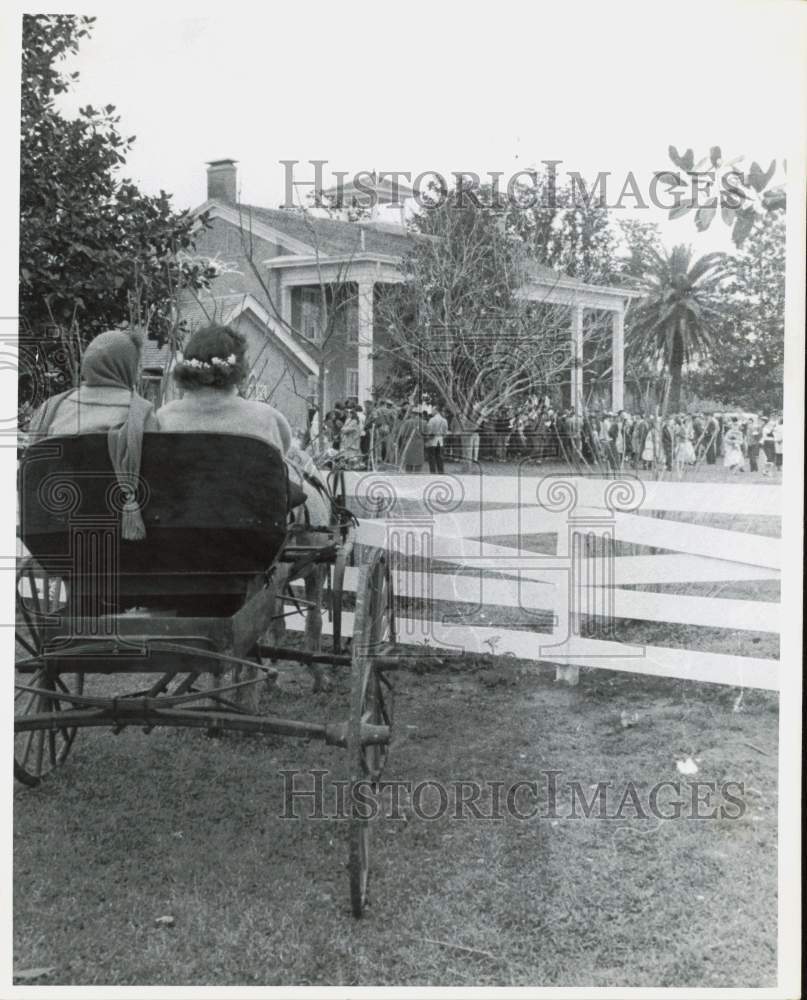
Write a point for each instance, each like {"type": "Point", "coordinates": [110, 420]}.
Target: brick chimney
{"type": "Point", "coordinates": [221, 181]}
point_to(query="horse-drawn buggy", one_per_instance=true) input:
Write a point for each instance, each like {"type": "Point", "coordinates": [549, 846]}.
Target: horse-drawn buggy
{"type": "Point", "coordinates": [187, 610]}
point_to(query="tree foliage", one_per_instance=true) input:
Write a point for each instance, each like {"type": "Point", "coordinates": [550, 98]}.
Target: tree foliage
{"type": "Point", "coordinates": [748, 370]}
{"type": "Point", "coordinates": [677, 321]}
{"type": "Point", "coordinates": [457, 324]}
{"type": "Point", "coordinates": [94, 250]}
{"type": "Point", "coordinates": [566, 227]}
{"type": "Point", "coordinates": [715, 185]}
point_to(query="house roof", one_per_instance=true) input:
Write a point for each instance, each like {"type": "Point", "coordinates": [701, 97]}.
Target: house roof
{"type": "Point", "coordinates": [334, 238]}
{"type": "Point", "coordinates": [237, 305]}
{"type": "Point", "coordinates": [326, 236]}
{"type": "Point", "coordinates": [155, 356]}
{"type": "Point", "coordinates": [227, 309]}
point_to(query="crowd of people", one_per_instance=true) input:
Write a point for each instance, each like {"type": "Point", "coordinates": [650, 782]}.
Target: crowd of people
{"type": "Point", "coordinates": [412, 436]}
{"type": "Point", "coordinates": [381, 433]}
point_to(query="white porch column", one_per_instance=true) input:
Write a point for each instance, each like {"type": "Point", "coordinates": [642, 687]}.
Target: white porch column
{"type": "Point", "coordinates": [617, 360]}
{"type": "Point", "coordinates": [577, 359]}
{"type": "Point", "coordinates": [365, 362]}
{"type": "Point", "coordinates": [285, 305]}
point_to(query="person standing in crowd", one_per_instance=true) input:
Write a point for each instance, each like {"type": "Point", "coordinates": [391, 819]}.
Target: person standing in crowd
{"type": "Point", "coordinates": [638, 436]}
{"type": "Point", "coordinates": [350, 438]}
{"type": "Point", "coordinates": [332, 425]}
{"type": "Point", "coordinates": [627, 436]}
{"type": "Point", "coordinates": [475, 423]}
{"type": "Point", "coordinates": [733, 458]}
{"type": "Point", "coordinates": [436, 430]}
{"type": "Point", "coordinates": [366, 424]}
{"type": "Point", "coordinates": [518, 439]}
{"type": "Point", "coordinates": [616, 442]}
{"type": "Point", "coordinates": [501, 428]}
{"type": "Point", "coordinates": [753, 442]}
{"type": "Point", "coordinates": [534, 435]}
{"type": "Point", "coordinates": [605, 439]}
{"type": "Point", "coordinates": [698, 427]}
{"type": "Point", "coordinates": [684, 449]}
{"type": "Point", "coordinates": [768, 443]}
{"type": "Point", "coordinates": [410, 441]}
{"type": "Point", "coordinates": [574, 425]}
{"type": "Point", "coordinates": [711, 433]}
{"type": "Point", "coordinates": [384, 421]}
{"type": "Point", "coordinates": [591, 426]}
{"type": "Point", "coordinates": [778, 440]}
{"type": "Point", "coordinates": [650, 448]}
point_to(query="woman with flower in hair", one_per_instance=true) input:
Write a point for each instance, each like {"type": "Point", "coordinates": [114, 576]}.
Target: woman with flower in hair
{"type": "Point", "coordinates": [213, 367]}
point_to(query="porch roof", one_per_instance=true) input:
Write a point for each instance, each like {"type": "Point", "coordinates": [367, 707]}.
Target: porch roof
{"type": "Point", "coordinates": [544, 284]}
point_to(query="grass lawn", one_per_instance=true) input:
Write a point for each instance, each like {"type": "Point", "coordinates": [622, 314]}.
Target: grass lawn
{"type": "Point", "coordinates": [175, 824]}
{"type": "Point", "coordinates": [133, 828]}
{"type": "Point", "coordinates": [701, 473]}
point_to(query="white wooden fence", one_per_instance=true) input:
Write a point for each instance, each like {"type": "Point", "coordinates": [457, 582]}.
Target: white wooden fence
{"type": "Point", "coordinates": [443, 530]}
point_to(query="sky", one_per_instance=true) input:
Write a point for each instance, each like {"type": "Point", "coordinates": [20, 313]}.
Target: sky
{"type": "Point", "coordinates": [600, 87]}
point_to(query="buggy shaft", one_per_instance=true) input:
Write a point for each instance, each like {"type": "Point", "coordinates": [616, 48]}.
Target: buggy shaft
{"type": "Point", "coordinates": [334, 734]}
{"type": "Point", "coordinates": [381, 661]}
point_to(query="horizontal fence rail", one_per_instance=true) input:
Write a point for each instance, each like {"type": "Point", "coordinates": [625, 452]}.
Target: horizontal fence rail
{"type": "Point", "coordinates": [474, 544]}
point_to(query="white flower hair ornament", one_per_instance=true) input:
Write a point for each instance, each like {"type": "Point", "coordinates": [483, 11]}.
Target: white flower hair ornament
{"type": "Point", "coordinates": [228, 362]}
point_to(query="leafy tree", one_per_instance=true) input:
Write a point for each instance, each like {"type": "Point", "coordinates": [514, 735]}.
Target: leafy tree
{"type": "Point", "coordinates": [456, 325]}
{"type": "Point", "coordinates": [748, 370]}
{"type": "Point", "coordinates": [94, 250]}
{"type": "Point", "coordinates": [567, 228]}
{"type": "Point", "coordinates": [681, 314]}
{"type": "Point", "coordinates": [642, 244]}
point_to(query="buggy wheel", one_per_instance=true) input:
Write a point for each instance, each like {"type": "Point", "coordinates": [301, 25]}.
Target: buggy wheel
{"type": "Point", "coordinates": [371, 702]}
{"type": "Point", "coordinates": [338, 592]}
{"type": "Point", "coordinates": [39, 751]}
{"type": "Point", "coordinates": [336, 484]}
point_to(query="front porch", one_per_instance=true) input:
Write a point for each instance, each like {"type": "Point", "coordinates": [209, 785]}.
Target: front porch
{"type": "Point", "coordinates": [546, 287]}
{"type": "Point", "coordinates": [342, 335]}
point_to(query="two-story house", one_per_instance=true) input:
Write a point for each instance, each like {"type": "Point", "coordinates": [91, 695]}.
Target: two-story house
{"type": "Point", "coordinates": [275, 266]}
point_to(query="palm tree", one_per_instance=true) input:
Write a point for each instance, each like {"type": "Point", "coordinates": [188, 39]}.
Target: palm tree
{"type": "Point", "coordinates": [676, 320]}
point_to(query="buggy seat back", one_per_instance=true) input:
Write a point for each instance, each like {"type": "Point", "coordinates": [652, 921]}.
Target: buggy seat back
{"type": "Point", "coordinates": [214, 507]}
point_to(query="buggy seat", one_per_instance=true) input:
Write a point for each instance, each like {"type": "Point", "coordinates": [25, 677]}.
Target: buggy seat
{"type": "Point", "coordinates": [214, 506]}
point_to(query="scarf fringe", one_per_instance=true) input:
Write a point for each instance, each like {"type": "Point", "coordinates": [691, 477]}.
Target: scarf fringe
{"type": "Point", "coordinates": [132, 527]}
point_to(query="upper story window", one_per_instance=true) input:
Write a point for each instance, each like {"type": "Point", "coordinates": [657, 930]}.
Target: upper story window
{"type": "Point", "coordinates": [310, 320]}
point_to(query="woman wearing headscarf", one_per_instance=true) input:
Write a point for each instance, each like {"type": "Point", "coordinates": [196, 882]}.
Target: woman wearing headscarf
{"type": "Point", "coordinates": [110, 368]}
{"type": "Point", "coordinates": [107, 401]}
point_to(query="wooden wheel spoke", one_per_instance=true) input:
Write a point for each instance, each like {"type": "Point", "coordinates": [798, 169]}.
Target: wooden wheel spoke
{"type": "Point", "coordinates": [372, 636]}
{"type": "Point", "coordinates": [24, 711]}
{"type": "Point", "coordinates": [31, 578]}
{"type": "Point", "coordinates": [29, 739]}
{"type": "Point", "coordinates": [39, 751]}
{"type": "Point", "coordinates": [33, 632]}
